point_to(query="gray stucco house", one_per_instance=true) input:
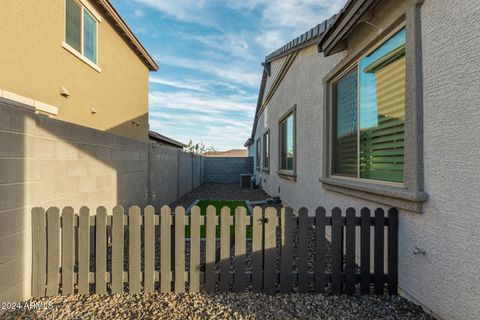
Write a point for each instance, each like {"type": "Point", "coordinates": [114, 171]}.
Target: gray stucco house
{"type": "Point", "coordinates": [379, 106]}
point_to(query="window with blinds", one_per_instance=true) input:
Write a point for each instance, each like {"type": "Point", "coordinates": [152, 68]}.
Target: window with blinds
{"type": "Point", "coordinates": [372, 146]}
{"type": "Point", "coordinates": [345, 125]}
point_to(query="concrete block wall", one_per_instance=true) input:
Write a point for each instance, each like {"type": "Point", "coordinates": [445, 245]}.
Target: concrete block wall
{"type": "Point", "coordinates": [226, 170]}
{"type": "Point", "coordinates": [46, 162]}
{"type": "Point", "coordinates": [172, 174]}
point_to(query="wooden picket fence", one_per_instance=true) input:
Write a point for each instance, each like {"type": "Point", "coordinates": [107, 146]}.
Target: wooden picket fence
{"type": "Point", "coordinates": [64, 264]}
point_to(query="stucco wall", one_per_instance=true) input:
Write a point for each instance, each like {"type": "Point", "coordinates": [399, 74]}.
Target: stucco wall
{"type": "Point", "coordinates": [47, 162]}
{"type": "Point", "coordinates": [445, 280]}
{"type": "Point", "coordinates": [34, 64]}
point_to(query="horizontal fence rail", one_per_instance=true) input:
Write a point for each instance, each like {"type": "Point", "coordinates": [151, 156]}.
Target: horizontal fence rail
{"type": "Point", "coordinates": [267, 251]}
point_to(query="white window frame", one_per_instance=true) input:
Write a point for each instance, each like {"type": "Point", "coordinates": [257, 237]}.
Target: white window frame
{"type": "Point", "coordinates": [85, 6]}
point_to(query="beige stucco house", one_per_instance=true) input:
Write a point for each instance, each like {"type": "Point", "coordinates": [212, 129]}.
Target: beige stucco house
{"type": "Point", "coordinates": [378, 106]}
{"type": "Point", "coordinates": [75, 60]}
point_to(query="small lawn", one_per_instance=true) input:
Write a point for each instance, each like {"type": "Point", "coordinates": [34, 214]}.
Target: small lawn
{"type": "Point", "coordinates": [219, 204]}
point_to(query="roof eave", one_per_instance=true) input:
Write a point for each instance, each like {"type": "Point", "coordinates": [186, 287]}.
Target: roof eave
{"type": "Point", "coordinates": [333, 40]}
{"type": "Point", "coordinates": [127, 32]}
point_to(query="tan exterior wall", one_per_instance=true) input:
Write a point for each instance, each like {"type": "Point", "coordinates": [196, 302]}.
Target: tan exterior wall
{"type": "Point", "coordinates": [34, 64]}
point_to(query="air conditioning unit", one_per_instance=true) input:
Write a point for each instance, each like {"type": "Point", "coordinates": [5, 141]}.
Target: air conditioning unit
{"type": "Point", "coordinates": [246, 180]}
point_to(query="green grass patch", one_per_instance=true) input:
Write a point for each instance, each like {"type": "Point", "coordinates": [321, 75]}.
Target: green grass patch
{"type": "Point", "coordinates": [219, 204]}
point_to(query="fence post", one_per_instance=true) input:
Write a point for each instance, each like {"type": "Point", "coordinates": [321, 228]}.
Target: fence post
{"type": "Point", "coordinates": [392, 251]}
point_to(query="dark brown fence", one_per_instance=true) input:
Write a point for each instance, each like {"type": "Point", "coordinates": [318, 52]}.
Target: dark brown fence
{"type": "Point", "coordinates": [266, 251]}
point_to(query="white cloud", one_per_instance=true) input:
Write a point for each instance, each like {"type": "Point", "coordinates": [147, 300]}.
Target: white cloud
{"type": "Point", "coordinates": [189, 85]}
{"type": "Point", "coordinates": [201, 102]}
{"type": "Point", "coordinates": [232, 72]}
{"type": "Point", "coordinates": [184, 10]}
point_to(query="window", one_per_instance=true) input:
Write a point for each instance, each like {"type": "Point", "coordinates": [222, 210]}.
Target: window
{"type": "Point", "coordinates": [287, 143]}
{"type": "Point", "coordinates": [81, 30]}
{"type": "Point", "coordinates": [266, 151]}
{"type": "Point", "coordinates": [258, 154]}
{"type": "Point", "coordinates": [369, 115]}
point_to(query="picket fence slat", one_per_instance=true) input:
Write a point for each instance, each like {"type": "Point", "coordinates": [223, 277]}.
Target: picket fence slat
{"type": "Point", "coordinates": [56, 249]}
{"type": "Point", "coordinates": [134, 278]}
{"type": "Point", "coordinates": [240, 248]}
{"type": "Point", "coordinates": [165, 253]}
{"type": "Point", "coordinates": [270, 255]}
{"type": "Point", "coordinates": [225, 249]}
{"type": "Point", "coordinates": [179, 250]}
{"type": "Point", "coordinates": [350, 252]}
{"type": "Point", "coordinates": [286, 251]}
{"type": "Point", "coordinates": [84, 251]}
{"type": "Point", "coordinates": [195, 250]}
{"type": "Point", "coordinates": [336, 251]}
{"type": "Point", "coordinates": [68, 250]}
{"type": "Point", "coordinates": [101, 251]}
{"type": "Point", "coordinates": [117, 249]}
{"type": "Point", "coordinates": [365, 251]}
{"type": "Point", "coordinates": [320, 250]}
{"type": "Point", "coordinates": [257, 250]}
{"type": "Point", "coordinates": [379, 251]}
{"type": "Point", "coordinates": [303, 250]}
{"type": "Point", "coordinates": [210, 250]}
{"type": "Point", "coordinates": [149, 251]}
{"type": "Point", "coordinates": [39, 252]}
{"type": "Point", "coordinates": [53, 250]}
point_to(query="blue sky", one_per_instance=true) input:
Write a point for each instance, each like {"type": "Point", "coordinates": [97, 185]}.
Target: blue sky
{"type": "Point", "coordinates": [210, 54]}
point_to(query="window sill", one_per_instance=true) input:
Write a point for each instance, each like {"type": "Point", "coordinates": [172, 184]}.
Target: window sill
{"type": "Point", "coordinates": [288, 175]}
{"type": "Point", "coordinates": [394, 196]}
{"type": "Point", "coordinates": [77, 54]}
{"type": "Point", "coordinates": [267, 171]}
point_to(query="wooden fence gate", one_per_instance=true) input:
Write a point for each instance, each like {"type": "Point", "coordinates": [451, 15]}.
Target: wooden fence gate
{"type": "Point", "coordinates": [267, 251]}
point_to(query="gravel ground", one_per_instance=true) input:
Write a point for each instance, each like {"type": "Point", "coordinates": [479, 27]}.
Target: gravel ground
{"type": "Point", "coordinates": [221, 306]}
